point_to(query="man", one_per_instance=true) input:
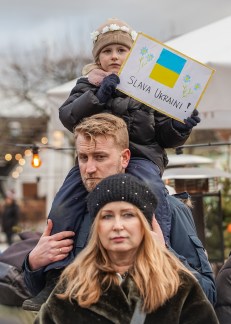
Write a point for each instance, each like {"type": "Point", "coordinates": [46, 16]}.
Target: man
{"type": "Point", "coordinates": [102, 150]}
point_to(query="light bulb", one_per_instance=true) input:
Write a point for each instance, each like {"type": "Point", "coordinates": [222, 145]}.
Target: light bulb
{"type": "Point", "coordinates": [36, 161]}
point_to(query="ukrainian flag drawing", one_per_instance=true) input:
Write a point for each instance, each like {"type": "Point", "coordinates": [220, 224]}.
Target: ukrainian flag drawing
{"type": "Point", "coordinates": [167, 68]}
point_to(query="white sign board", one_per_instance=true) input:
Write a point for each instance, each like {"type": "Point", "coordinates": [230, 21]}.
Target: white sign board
{"type": "Point", "coordinates": [163, 78]}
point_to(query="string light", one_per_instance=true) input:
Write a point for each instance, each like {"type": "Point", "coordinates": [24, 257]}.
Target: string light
{"type": "Point", "coordinates": [21, 161]}
{"type": "Point", "coordinates": [33, 150]}
{"type": "Point", "coordinates": [18, 156]}
{"type": "Point", "coordinates": [8, 157]}
{"type": "Point", "coordinates": [36, 161]}
{"type": "Point", "coordinates": [27, 152]}
{"type": "Point", "coordinates": [44, 140]}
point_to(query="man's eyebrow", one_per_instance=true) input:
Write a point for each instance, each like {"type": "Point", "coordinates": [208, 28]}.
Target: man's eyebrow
{"type": "Point", "coordinates": [100, 152]}
{"type": "Point", "coordinates": [94, 153]}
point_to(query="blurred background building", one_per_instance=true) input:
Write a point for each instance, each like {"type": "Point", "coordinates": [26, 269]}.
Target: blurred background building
{"type": "Point", "coordinates": [43, 49]}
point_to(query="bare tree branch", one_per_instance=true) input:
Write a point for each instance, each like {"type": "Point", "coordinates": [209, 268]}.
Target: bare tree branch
{"type": "Point", "coordinates": [28, 75]}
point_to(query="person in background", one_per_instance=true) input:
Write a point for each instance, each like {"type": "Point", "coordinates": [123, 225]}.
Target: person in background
{"type": "Point", "coordinates": [102, 150]}
{"type": "Point", "coordinates": [223, 285]}
{"type": "Point", "coordinates": [125, 274]}
{"type": "Point", "coordinates": [10, 216]}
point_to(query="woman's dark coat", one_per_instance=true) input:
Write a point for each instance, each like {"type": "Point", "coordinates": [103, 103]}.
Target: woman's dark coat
{"type": "Point", "coordinates": [150, 132]}
{"type": "Point", "coordinates": [188, 306]}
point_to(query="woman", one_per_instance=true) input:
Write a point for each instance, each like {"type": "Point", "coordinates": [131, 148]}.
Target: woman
{"type": "Point", "coordinates": [124, 275]}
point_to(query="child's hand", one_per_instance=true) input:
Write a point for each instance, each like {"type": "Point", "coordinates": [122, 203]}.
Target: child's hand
{"type": "Point", "coordinates": [107, 87]}
{"type": "Point", "coordinates": [190, 122]}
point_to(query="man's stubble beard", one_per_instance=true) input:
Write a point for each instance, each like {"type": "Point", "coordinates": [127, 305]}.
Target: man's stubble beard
{"type": "Point", "coordinates": [91, 184]}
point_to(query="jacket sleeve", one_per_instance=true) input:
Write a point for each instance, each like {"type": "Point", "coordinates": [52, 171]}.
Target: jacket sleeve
{"type": "Point", "coordinates": [81, 103]}
{"type": "Point", "coordinates": [194, 301]}
{"type": "Point", "coordinates": [167, 136]}
{"type": "Point", "coordinates": [186, 245]}
{"type": "Point", "coordinates": [34, 280]}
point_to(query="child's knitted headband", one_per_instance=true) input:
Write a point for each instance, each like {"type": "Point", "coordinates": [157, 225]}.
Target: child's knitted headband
{"type": "Point", "coordinates": [113, 31]}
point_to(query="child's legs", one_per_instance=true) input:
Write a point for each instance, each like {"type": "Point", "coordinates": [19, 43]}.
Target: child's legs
{"type": "Point", "coordinates": [69, 204]}
{"type": "Point", "coordinates": [68, 209]}
{"type": "Point", "coordinates": [149, 172]}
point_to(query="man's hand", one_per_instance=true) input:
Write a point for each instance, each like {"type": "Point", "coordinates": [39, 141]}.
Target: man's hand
{"type": "Point", "coordinates": [157, 232]}
{"type": "Point", "coordinates": [50, 248]}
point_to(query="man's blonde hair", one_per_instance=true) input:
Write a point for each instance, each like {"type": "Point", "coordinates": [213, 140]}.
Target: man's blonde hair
{"type": "Point", "coordinates": [104, 124]}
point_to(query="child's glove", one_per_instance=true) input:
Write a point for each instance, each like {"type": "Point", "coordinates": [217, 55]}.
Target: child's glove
{"type": "Point", "coordinates": [107, 87]}
{"type": "Point", "coordinates": [190, 122]}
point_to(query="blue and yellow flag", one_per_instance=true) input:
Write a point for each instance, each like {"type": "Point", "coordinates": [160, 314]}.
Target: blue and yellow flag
{"type": "Point", "coordinates": [167, 68]}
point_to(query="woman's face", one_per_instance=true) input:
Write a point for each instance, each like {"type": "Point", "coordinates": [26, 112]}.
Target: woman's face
{"type": "Point", "coordinates": [112, 57]}
{"type": "Point", "coordinates": [119, 228]}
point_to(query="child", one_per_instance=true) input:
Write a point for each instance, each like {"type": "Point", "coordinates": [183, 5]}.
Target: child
{"type": "Point", "coordinates": [149, 131]}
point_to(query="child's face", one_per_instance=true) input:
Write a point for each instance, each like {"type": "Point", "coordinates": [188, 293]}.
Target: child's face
{"type": "Point", "coordinates": [112, 57]}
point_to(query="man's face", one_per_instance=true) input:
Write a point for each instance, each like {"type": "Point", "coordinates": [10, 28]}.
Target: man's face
{"type": "Point", "coordinates": [99, 159]}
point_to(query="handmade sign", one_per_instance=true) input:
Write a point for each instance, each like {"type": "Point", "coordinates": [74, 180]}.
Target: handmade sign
{"type": "Point", "coordinates": [163, 78]}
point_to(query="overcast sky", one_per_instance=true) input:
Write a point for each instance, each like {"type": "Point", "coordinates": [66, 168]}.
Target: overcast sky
{"type": "Point", "coordinates": [28, 22]}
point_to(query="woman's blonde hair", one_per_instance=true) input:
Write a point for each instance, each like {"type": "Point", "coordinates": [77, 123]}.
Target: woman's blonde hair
{"type": "Point", "coordinates": [155, 271]}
